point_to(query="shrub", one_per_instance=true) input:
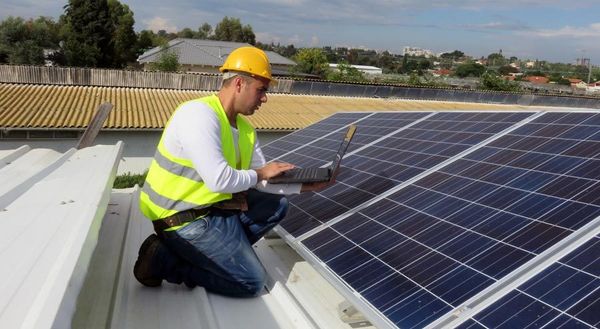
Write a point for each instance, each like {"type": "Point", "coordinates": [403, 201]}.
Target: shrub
{"type": "Point", "coordinates": [128, 180]}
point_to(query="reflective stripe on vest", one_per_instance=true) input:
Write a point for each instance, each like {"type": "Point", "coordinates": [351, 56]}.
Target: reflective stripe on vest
{"type": "Point", "coordinates": [173, 184]}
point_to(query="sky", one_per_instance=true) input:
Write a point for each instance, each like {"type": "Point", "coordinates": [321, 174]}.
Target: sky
{"type": "Point", "coordinates": [552, 30]}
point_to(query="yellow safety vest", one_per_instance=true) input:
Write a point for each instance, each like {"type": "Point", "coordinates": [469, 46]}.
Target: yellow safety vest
{"type": "Point", "coordinates": [173, 184]}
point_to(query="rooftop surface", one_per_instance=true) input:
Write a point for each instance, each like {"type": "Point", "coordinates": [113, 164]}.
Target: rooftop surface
{"type": "Point", "coordinates": [68, 259]}
{"type": "Point", "coordinates": [31, 106]}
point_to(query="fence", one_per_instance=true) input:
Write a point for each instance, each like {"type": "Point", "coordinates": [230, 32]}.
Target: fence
{"type": "Point", "coordinates": [166, 80]}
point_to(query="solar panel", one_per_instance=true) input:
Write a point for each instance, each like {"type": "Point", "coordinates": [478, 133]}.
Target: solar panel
{"type": "Point", "coordinates": [390, 148]}
{"type": "Point", "coordinates": [308, 135]}
{"type": "Point", "coordinates": [463, 202]}
{"type": "Point", "coordinates": [566, 294]}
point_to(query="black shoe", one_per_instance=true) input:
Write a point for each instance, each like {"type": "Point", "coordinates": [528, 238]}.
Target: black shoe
{"type": "Point", "coordinates": [142, 270]}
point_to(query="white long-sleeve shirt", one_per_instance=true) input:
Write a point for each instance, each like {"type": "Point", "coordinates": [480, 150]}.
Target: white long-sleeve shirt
{"type": "Point", "coordinates": [195, 133]}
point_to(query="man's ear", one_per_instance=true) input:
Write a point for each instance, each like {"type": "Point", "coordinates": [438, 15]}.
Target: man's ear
{"type": "Point", "coordinates": [238, 82]}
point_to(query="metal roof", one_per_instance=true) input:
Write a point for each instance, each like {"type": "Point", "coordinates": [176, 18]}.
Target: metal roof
{"type": "Point", "coordinates": [69, 243]}
{"type": "Point", "coordinates": [30, 106]}
{"type": "Point", "coordinates": [204, 52]}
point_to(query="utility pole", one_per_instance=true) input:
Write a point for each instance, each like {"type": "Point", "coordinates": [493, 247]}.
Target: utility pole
{"type": "Point", "coordinates": [589, 71]}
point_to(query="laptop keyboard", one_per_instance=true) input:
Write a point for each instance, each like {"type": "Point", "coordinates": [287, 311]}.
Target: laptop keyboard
{"type": "Point", "coordinates": [306, 173]}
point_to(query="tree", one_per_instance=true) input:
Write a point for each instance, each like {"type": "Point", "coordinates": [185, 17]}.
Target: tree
{"type": "Point", "coordinates": [559, 79]}
{"type": "Point", "coordinates": [167, 62]}
{"type": "Point", "coordinates": [23, 42]}
{"type": "Point", "coordinates": [311, 61]}
{"type": "Point", "coordinates": [88, 32]}
{"type": "Point", "coordinates": [146, 40]}
{"type": "Point", "coordinates": [186, 33]}
{"type": "Point", "coordinates": [492, 81]}
{"type": "Point", "coordinates": [455, 55]}
{"type": "Point", "coordinates": [124, 38]}
{"type": "Point", "coordinates": [469, 70]}
{"type": "Point", "coordinates": [248, 35]}
{"type": "Point", "coordinates": [205, 31]}
{"type": "Point", "coordinates": [230, 29]}
{"type": "Point", "coordinates": [506, 69]}
{"type": "Point", "coordinates": [345, 72]}
{"type": "Point", "coordinates": [496, 59]}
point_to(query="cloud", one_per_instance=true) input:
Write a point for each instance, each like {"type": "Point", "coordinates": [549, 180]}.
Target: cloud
{"type": "Point", "coordinates": [591, 31]}
{"type": "Point", "coordinates": [295, 39]}
{"type": "Point", "coordinates": [159, 23]}
{"type": "Point", "coordinates": [314, 41]}
{"type": "Point", "coordinates": [267, 37]}
{"type": "Point", "coordinates": [496, 26]}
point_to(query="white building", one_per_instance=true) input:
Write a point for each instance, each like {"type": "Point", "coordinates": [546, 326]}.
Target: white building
{"type": "Point", "coordinates": [416, 51]}
{"type": "Point", "coordinates": [366, 69]}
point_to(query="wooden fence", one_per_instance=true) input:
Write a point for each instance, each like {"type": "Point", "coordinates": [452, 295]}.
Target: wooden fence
{"type": "Point", "coordinates": [116, 78]}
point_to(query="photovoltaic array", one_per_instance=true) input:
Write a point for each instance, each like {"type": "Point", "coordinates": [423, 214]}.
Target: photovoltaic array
{"type": "Point", "coordinates": [564, 295]}
{"type": "Point", "coordinates": [452, 218]}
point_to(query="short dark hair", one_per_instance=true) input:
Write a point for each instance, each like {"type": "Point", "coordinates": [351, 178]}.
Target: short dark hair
{"type": "Point", "coordinates": [227, 81]}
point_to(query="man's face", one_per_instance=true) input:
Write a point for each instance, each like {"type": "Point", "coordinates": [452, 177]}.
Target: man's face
{"type": "Point", "coordinates": [252, 94]}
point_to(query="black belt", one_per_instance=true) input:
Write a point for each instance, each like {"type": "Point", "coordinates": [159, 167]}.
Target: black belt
{"type": "Point", "coordinates": [179, 218]}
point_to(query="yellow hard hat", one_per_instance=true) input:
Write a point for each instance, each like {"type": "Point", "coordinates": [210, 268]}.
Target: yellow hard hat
{"type": "Point", "coordinates": [249, 60]}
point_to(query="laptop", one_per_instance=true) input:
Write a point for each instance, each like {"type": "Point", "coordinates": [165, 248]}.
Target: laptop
{"type": "Point", "coordinates": [315, 174]}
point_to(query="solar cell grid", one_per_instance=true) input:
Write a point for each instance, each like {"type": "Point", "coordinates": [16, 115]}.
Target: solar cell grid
{"type": "Point", "coordinates": [385, 164]}
{"type": "Point", "coordinates": [566, 294]}
{"type": "Point", "coordinates": [474, 220]}
{"type": "Point", "coordinates": [309, 135]}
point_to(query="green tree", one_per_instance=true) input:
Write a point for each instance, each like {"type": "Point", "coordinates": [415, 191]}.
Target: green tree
{"type": "Point", "coordinates": [146, 40]}
{"type": "Point", "coordinates": [536, 73]}
{"type": "Point", "coordinates": [345, 72]}
{"type": "Point", "coordinates": [186, 33]}
{"type": "Point", "coordinates": [205, 31]}
{"type": "Point", "coordinates": [231, 29]}
{"type": "Point", "coordinates": [559, 79]}
{"type": "Point", "coordinates": [469, 70]}
{"type": "Point", "coordinates": [167, 62]}
{"type": "Point", "coordinates": [23, 42]}
{"type": "Point", "coordinates": [311, 61]}
{"type": "Point", "coordinates": [506, 69]}
{"type": "Point", "coordinates": [496, 59]}
{"type": "Point", "coordinates": [248, 35]}
{"type": "Point", "coordinates": [492, 81]}
{"type": "Point", "coordinates": [88, 32]}
{"type": "Point", "coordinates": [124, 38]}
{"type": "Point", "coordinates": [455, 55]}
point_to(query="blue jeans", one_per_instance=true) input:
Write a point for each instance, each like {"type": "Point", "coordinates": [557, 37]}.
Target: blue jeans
{"type": "Point", "coordinates": [215, 252]}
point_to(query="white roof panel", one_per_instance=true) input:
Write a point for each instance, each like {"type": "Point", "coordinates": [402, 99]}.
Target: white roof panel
{"type": "Point", "coordinates": [69, 243]}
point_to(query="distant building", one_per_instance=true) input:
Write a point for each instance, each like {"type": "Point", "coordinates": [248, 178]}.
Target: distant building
{"type": "Point", "coordinates": [577, 83]}
{"type": "Point", "coordinates": [593, 88]}
{"type": "Point", "coordinates": [361, 68]}
{"type": "Point", "coordinates": [206, 56]}
{"type": "Point", "coordinates": [416, 51]}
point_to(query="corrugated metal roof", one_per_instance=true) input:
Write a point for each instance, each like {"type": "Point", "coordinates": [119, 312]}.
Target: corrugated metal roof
{"type": "Point", "coordinates": [63, 107]}
{"type": "Point", "coordinates": [204, 52]}
{"type": "Point", "coordinates": [69, 244]}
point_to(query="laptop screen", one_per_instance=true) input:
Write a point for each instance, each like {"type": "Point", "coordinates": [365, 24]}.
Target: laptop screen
{"type": "Point", "coordinates": [343, 146]}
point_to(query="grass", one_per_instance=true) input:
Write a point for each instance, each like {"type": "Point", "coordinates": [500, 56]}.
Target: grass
{"type": "Point", "coordinates": [128, 180]}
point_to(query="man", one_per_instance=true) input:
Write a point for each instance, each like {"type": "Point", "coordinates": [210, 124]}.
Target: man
{"type": "Point", "coordinates": [206, 191]}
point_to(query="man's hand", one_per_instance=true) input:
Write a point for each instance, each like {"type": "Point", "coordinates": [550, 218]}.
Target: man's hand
{"type": "Point", "coordinates": [272, 169]}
